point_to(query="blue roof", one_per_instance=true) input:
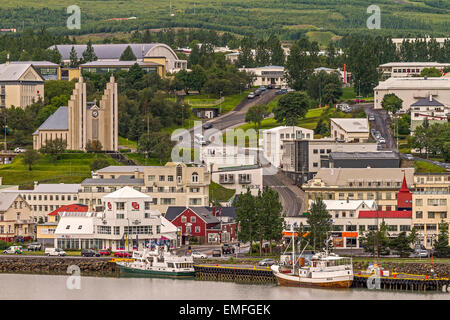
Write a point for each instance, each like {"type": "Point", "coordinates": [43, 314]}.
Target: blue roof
{"type": "Point", "coordinates": [57, 121]}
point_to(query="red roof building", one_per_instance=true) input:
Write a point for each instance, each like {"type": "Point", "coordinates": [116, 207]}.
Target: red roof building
{"type": "Point", "coordinates": [404, 197]}
{"type": "Point", "coordinates": [70, 208]}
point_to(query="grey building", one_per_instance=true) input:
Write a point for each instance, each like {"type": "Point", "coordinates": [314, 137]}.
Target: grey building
{"type": "Point", "coordinates": [381, 159]}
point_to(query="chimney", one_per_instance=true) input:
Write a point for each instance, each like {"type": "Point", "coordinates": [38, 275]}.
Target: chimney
{"type": "Point", "coordinates": [431, 97]}
{"type": "Point", "coordinates": [136, 173]}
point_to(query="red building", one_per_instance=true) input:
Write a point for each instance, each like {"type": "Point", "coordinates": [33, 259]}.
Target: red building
{"type": "Point", "coordinates": [69, 208]}
{"type": "Point", "coordinates": [207, 224]}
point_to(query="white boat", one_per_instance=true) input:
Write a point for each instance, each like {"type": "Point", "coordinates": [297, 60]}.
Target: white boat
{"type": "Point", "coordinates": [325, 269]}
{"type": "Point", "coordinates": [159, 263]}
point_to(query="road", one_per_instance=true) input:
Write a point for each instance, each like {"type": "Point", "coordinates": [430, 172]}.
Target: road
{"type": "Point", "coordinates": [291, 196]}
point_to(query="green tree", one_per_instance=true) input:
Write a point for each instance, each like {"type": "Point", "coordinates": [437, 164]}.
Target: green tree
{"type": "Point", "coordinates": [376, 242]}
{"type": "Point", "coordinates": [54, 148]}
{"type": "Point", "coordinates": [30, 157]}
{"type": "Point", "coordinates": [89, 54]}
{"type": "Point", "coordinates": [440, 246]}
{"type": "Point", "coordinates": [74, 62]}
{"type": "Point", "coordinates": [291, 107]}
{"type": "Point", "coordinates": [430, 72]}
{"type": "Point", "coordinates": [157, 144]}
{"type": "Point", "coordinates": [277, 57]}
{"type": "Point", "coordinates": [98, 164]}
{"type": "Point", "coordinates": [93, 146]}
{"type": "Point", "coordinates": [319, 221]}
{"type": "Point", "coordinates": [246, 211]}
{"type": "Point", "coordinates": [256, 114]}
{"type": "Point", "coordinates": [299, 66]}
{"type": "Point", "coordinates": [128, 55]}
{"type": "Point", "coordinates": [391, 103]}
{"type": "Point", "coordinates": [401, 244]}
{"type": "Point", "coordinates": [271, 212]}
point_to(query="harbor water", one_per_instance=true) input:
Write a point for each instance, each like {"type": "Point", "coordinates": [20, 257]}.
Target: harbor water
{"type": "Point", "coordinates": [31, 286]}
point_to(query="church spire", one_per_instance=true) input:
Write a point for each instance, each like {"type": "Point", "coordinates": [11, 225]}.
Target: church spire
{"type": "Point", "coordinates": [404, 187]}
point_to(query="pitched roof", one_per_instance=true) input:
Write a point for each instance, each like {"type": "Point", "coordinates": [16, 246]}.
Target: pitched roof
{"type": "Point", "coordinates": [13, 72]}
{"type": "Point", "coordinates": [126, 192]}
{"type": "Point", "coordinates": [70, 208]}
{"type": "Point", "coordinates": [348, 205]}
{"type": "Point", "coordinates": [425, 102]}
{"type": "Point", "coordinates": [204, 213]}
{"type": "Point", "coordinates": [352, 124]}
{"type": "Point", "coordinates": [7, 199]}
{"type": "Point", "coordinates": [57, 121]}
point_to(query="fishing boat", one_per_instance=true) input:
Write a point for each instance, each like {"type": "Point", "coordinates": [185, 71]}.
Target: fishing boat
{"type": "Point", "coordinates": [158, 263]}
{"type": "Point", "coordinates": [325, 270]}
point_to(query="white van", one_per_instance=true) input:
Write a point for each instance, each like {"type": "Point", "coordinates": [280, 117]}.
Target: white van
{"type": "Point", "coordinates": [198, 138]}
{"type": "Point", "coordinates": [13, 249]}
{"type": "Point", "coordinates": [54, 252]}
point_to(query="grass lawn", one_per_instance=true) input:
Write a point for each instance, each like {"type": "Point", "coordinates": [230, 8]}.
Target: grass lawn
{"type": "Point", "coordinates": [127, 143]}
{"type": "Point", "coordinates": [219, 193]}
{"type": "Point", "coordinates": [70, 168]}
{"type": "Point", "coordinates": [423, 166]}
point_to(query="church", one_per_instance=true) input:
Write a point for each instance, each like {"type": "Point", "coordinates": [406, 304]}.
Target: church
{"type": "Point", "coordinates": [82, 122]}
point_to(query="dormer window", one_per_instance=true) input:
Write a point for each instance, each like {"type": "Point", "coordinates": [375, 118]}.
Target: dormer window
{"type": "Point", "coordinates": [195, 177]}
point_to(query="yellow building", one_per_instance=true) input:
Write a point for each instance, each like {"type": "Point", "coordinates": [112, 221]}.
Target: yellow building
{"type": "Point", "coordinates": [20, 85]}
{"type": "Point", "coordinates": [15, 217]}
{"type": "Point", "coordinates": [431, 204]}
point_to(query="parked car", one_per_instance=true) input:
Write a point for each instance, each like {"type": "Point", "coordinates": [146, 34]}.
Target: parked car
{"type": "Point", "coordinates": [266, 262]}
{"type": "Point", "coordinates": [35, 246]}
{"type": "Point", "coordinates": [359, 100]}
{"type": "Point", "coordinates": [122, 254]}
{"type": "Point", "coordinates": [19, 150]}
{"type": "Point", "coordinates": [198, 255]}
{"type": "Point", "coordinates": [381, 140]}
{"type": "Point", "coordinates": [13, 250]}
{"type": "Point", "coordinates": [262, 88]}
{"type": "Point", "coordinates": [89, 253]}
{"type": "Point", "coordinates": [54, 252]}
{"type": "Point", "coordinates": [216, 253]}
{"type": "Point", "coordinates": [410, 157]}
{"type": "Point", "coordinates": [379, 147]}
{"type": "Point", "coordinates": [207, 125]}
{"type": "Point", "coordinates": [269, 86]}
{"type": "Point", "coordinates": [257, 92]}
{"type": "Point", "coordinates": [227, 248]}
{"type": "Point", "coordinates": [278, 92]}
{"type": "Point", "coordinates": [422, 253]}
{"type": "Point", "coordinates": [104, 252]}
{"type": "Point", "coordinates": [277, 86]}
{"type": "Point", "coordinates": [251, 95]}
{"type": "Point", "coordinates": [371, 117]}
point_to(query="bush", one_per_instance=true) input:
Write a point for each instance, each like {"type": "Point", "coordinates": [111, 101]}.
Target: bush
{"type": "Point", "coordinates": [98, 164]}
{"type": "Point", "coordinates": [125, 150]}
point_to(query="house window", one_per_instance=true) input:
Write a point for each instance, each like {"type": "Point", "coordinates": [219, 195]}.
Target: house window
{"type": "Point", "coordinates": [195, 177]}
{"type": "Point", "coordinates": [195, 201]}
{"type": "Point", "coordinates": [419, 214]}
{"type": "Point", "coordinates": [151, 178]}
{"type": "Point", "coordinates": [120, 205]}
{"type": "Point", "coordinates": [183, 219]}
{"type": "Point", "coordinates": [193, 219]}
{"type": "Point", "coordinates": [197, 229]}
{"type": "Point", "coordinates": [162, 178]}
{"type": "Point", "coordinates": [147, 205]}
{"type": "Point", "coordinates": [170, 178]}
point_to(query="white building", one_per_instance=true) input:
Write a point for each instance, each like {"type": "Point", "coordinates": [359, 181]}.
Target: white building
{"type": "Point", "coordinates": [408, 69]}
{"type": "Point", "coordinates": [349, 129]}
{"type": "Point", "coordinates": [273, 141]}
{"type": "Point", "coordinates": [224, 156]}
{"type": "Point", "coordinates": [412, 89]}
{"type": "Point", "coordinates": [240, 178]}
{"type": "Point", "coordinates": [127, 223]}
{"type": "Point", "coordinates": [45, 198]}
{"type": "Point", "coordinates": [430, 108]}
{"type": "Point", "coordinates": [268, 75]}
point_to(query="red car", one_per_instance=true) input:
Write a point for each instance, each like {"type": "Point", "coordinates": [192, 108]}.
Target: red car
{"type": "Point", "coordinates": [122, 254]}
{"type": "Point", "coordinates": [105, 252]}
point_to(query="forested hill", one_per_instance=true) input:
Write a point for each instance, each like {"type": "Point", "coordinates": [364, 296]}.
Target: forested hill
{"type": "Point", "coordinates": [321, 20]}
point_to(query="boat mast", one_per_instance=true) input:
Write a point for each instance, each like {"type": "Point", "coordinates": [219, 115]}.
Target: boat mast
{"type": "Point", "coordinates": [293, 250]}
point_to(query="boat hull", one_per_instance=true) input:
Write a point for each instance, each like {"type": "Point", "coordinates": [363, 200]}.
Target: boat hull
{"type": "Point", "coordinates": [155, 273]}
{"type": "Point", "coordinates": [295, 281]}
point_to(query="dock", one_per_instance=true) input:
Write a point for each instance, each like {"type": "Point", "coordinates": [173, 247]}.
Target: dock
{"type": "Point", "coordinates": [263, 275]}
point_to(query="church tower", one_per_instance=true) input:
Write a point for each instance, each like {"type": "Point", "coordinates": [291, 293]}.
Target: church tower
{"type": "Point", "coordinates": [77, 117]}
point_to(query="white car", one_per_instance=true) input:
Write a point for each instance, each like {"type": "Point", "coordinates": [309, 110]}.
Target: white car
{"type": "Point", "coordinates": [19, 150]}
{"type": "Point", "coordinates": [13, 249]}
{"type": "Point", "coordinates": [54, 252]}
{"type": "Point", "coordinates": [381, 140]}
{"type": "Point", "coordinates": [199, 255]}
{"type": "Point", "coordinates": [371, 117]}
{"type": "Point", "coordinates": [409, 157]}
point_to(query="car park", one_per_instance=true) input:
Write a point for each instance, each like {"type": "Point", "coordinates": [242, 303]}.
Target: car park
{"type": "Point", "coordinates": [89, 253]}
{"type": "Point", "coordinates": [266, 262]}
{"type": "Point", "coordinates": [198, 255]}
{"type": "Point", "coordinates": [216, 253]}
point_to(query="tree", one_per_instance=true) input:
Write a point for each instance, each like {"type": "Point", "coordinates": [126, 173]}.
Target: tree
{"type": "Point", "coordinates": [246, 211]}
{"type": "Point", "coordinates": [157, 144]}
{"type": "Point", "coordinates": [402, 244]}
{"type": "Point", "coordinates": [299, 67]}
{"type": "Point", "coordinates": [430, 72]}
{"type": "Point", "coordinates": [271, 216]}
{"type": "Point", "coordinates": [256, 114]}
{"type": "Point", "coordinates": [128, 55]}
{"type": "Point", "coordinates": [376, 242]}
{"type": "Point", "coordinates": [89, 54]}
{"type": "Point", "coordinates": [319, 221]}
{"type": "Point", "coordinates": [391, 103]}
{"type": "Point", "coordinates": [94, 146]}
{"type": "Point", "coordinates": [277, 57]}
{"type": "Point", "coordinates": [440, 246]}
{"type": "Point", "coordinates": [54, 148]}
{"type": "Point", "coordinates": [30, 157]}
{"type": "Point", "coordinates": [74, 62]}
{"type": "Point", "coordinates": [98, 164]}
{"type": "Point", "coordinates": [291, 107]}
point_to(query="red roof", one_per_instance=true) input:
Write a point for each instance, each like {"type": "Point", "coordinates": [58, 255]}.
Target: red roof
{"type": "Point", "coordinates": [70, 208]}
{"type": "Point", "coordinates": [385, 214]}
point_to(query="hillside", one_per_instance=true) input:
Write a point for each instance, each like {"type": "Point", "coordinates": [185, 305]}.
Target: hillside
{"type": "Point", "coordinates": [321, 20]}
